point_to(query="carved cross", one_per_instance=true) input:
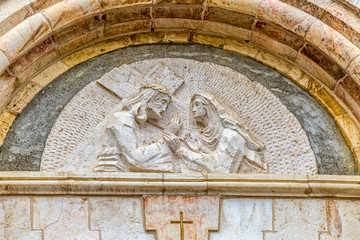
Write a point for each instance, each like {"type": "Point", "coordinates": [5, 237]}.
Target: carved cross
{"type": "Point", "coordinates": [181, 222]}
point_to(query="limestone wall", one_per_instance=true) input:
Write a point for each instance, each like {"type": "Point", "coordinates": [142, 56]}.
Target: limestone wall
{"type": "Point", "coordinates": [109, 206]}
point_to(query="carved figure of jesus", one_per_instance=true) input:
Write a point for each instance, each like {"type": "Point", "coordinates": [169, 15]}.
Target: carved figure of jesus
{"type": "Point", "coordinates": [122, 150]}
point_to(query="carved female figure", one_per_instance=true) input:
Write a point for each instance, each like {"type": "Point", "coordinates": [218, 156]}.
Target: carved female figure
{"type": "Point", "coordinates": [218, 142]}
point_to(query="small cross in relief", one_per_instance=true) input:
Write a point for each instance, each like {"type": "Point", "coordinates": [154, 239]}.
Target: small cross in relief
{"type": "Point", "coordinates": [181, 222]}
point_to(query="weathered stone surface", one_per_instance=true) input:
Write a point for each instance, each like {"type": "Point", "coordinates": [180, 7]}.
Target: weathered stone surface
{"type": "Point", "coordinates": [272, 45]}
{"type": "Point", "coordinates": [22, 98]}
{"type": "Point", "coordinates": [244, 219]}
{"type": "Point", "coordinates": [245, 6]}
{"type": "Point", "coordinates": [176, 23]}
{"type": "Point", "coordinates": [286, 16]}
{"type": "Point", "coordinates": [50, 73]}
{"type": "Point", "coordinates": [112, 4]}
{"type": "Point", "coordinates": [177, 37]}
{"type": "Point", "coordinates": [332, 43]}
{"type": "Point", "coordinates": [308, 65]}
{"type": "Point", "coordinates": [63, 218]}
{"type": "Point", "coordinates": [81, 56]}
{"type": "Point", "coordinates": [113, 44]}
{"type": "Point", "coordinates": [299, 227]}
{"type": "Point", "coordinates": [4, 62]}
{"type": "Point", "coordinates": [226, 29]}
{"type": "Point", "coordinates": [350, 129]}
{"type": "Point", "coordinates": [342, 221]}
{"type": "Point", "coordinates": [37, 58]}
{"type": "Point", "coordinates": [208, 40]}
{"type": "Point", "coordinates": [312, 7]}
{"type": "Point", "coordinates": [6, 120]}
{"type": "Point", "coordinates": [348, 99]}
{"type": "Point", "coordinates": [6, 88]}
{"type": "Point", "coordinates": [15, 219]}
{"type": "Point", "coordinates": [178, 11]}
{"type": "Point", "coordinates": [38, 5]}
{"type": "Point", "coordinates": [127, 15]}
{"type": "Point", "coordinates": [118, 218]}
{"type": "Point", "coordinates": [24, 36]}
{"type": "Point", "coordinates": [229, 17]}
{"type": "Point", "coordinates": [78, 42]}
{"type": "Point", "coordinates": [184, 217]}
{"type": "Point", "coordinates": [12, 13]}
{"type": "Point", "coordinates": [323, 61]}
{"type": "Point", "coordinates": [127, 27]}
{"type": "Point", "coordinates": [242, 48]}
{"type": "Point", "coordinates": [329, 102]}
{"type": "Point", "coordinates": [344, 20]}
{"type": "Point", "coordinates": [147, 38]}
{"type": "Point", "coordinates": [69, 11]}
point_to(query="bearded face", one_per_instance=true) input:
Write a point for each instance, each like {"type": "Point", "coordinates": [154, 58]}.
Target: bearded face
{"type": "Point", "coordinates": [157, 106]}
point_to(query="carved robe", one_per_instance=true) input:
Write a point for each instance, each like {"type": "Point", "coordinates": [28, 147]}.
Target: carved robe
{"type": "Point", "coordinates": [123, 152]}
{"type": "Point", "coordinates": [231, 155]}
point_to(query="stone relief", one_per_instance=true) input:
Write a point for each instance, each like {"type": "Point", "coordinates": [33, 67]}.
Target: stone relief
{"type": "Point", "coordinates": [177, 115]}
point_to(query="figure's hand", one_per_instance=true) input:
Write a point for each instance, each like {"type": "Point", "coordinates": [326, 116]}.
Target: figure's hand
{"type": "Point", "coordinates": [172, 140]}
{"type": "Point", "coordinates": [174, 125]}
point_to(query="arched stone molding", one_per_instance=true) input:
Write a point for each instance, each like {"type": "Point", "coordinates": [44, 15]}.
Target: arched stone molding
{"type": "Point", "coordinates": [314, 43]}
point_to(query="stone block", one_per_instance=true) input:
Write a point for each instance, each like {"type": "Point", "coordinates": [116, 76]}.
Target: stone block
{"type": "Point", "coordinates": [226, 29]}
{"type": "Point", "coordinates": [70, 11]}
{"type": "Point", "coordinates": [6, 88]}
{"type": "Point", "coordinates": [179, 1]}
{"type": "Point", "coordinates": [329, 102]}
{"type": "Point", "coordinates": [346, 98]}
{"type": "Point", "coordinates": [127, 28]}
{"type": "Point", "coordinates": [332, 43]}
{"type": "Point", "coordinates": [311, 67]}
{"type": "Point", "coordinates": [176, 23]}
{"type": "Point", "coordinates": [354, 69]}
{"type": "Point", "coordinates": [78, 42]}
{"type": "Point", "coordinates": [148, 38]}
{"type": "Point", "coordinates": [352, 88]}
{"type": "Point", "coordinates": [81, 56]}
{"type": "Point", "coordinates": [34, 60]}
{"type": "Point", "coordinates": [50, 73]}
{"type": "Point", "coordinates": [243, 48]}
{"type": "Point", "coordinates": [118, 218]}
{"type": "Point", "coordinates": [342, 220]}
{"type": "Point", "coordinates": [12, 13]}
{"type": "Point", "coordinates": [266, 42]}
{"type": "Point", "coordinates": [280, 35]}
{"type": "Point", "coordinates": [273, 61]}
{"type": "Point", "coordinates": [244, 218]}
{"type": "Point", "coordinates": [24, 36]}
{"type": "Point", "coordinates": [178, 11]}
{"type": "Point", "coordinates": [38, 5]}
{"type": "Point", "coordinates": [6, 120]}
{"type": "Point", "coordinates": [23, 98]}
{"type": "Point", "coordinates": [63, 218]}
{"type": "Point", "coordinates": [298, 218]}
{"type": "Point", "coordinates": [321, 59]}
{"type": "Point", "coordinates": [113, 44]}
{"type": "Point", "coordinates": [229, 17]}
{"type": "Point", "coordinates": [128, 14]}
{"type": "Point", "coordinates": [4, 62]}
{"type": "Point", "coordinates": [177, 37]}
{"type": "Point", "coordinates": [15, 219]}
{"type": "Point", "coordinates": [349, 129]}
{"type": "Point", "coordinates": [286, 16]}
{"type": "Point", "coordinates": [344, 20]}
{"type": "Point", "coordinates": [245, 6]}
{"type": "Point", "coordinates": [312, 7]}
{"type": "Point", "coordinates": [112, 4]}
{"type": "Point", "coordinates": [207, 40]}
{"type": "Point", "coordinates": [181, 217]}
{"type": "Point", "coordinates": [79, 29]}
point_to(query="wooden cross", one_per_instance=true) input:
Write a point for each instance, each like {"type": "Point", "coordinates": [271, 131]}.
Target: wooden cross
{"type": "Point", "coordinates": [181, 222]}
